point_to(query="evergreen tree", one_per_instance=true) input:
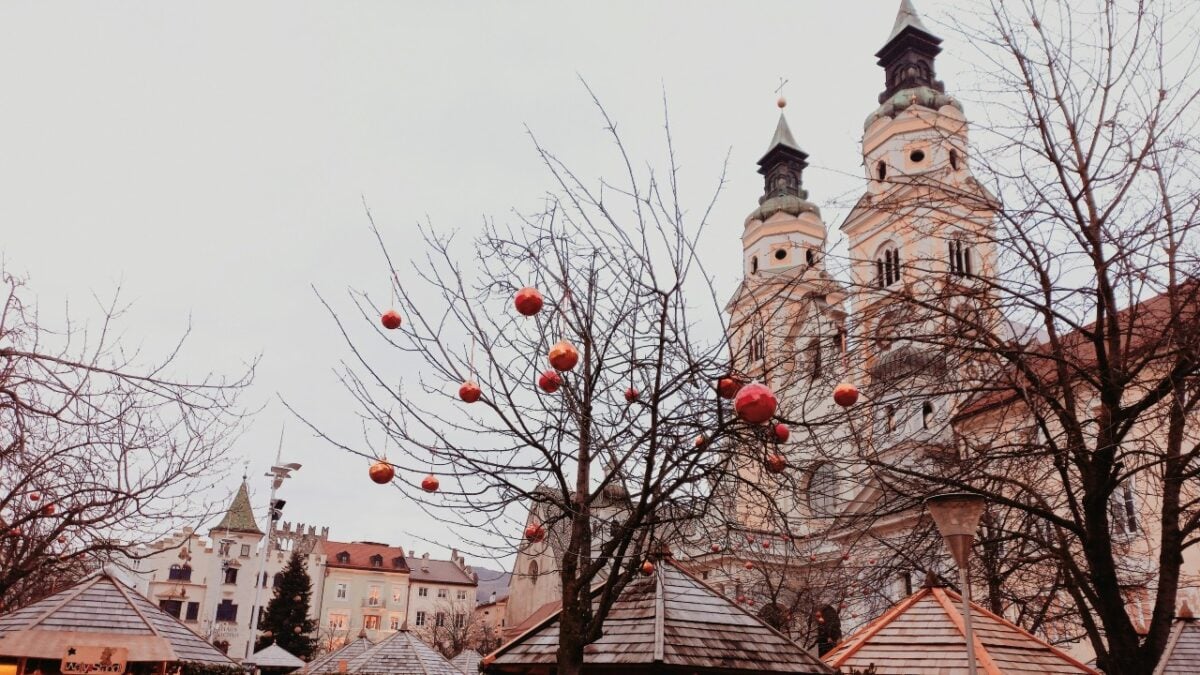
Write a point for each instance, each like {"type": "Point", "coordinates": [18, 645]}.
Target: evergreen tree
{"type": "Point", "coordinates": [288, 610]}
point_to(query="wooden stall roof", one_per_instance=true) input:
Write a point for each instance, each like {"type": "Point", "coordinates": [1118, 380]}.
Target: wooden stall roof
{"type": "Point", "coordinates": [923, 635]}
{"type": "Point", "coordinates": [467, 661]}
{"type": "Point", "coordinates": [328, 663]}
{"type": "Point", "coordinates": [101, 610]}
{"type": "Point", "coordinates": [400, 653]}
{"type": "Point", "coordinates": [1182, 654]}
{"type": "Point", "coordinates": [274, 656]}
{"type": "Point", "coordinates": [669, 620]}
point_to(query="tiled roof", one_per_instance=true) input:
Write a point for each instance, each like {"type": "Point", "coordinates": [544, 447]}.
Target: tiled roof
{"type": "Point", "coordinates": [670, 619]}
{"type": "Point", "coordinates": [102, 605]}
{"type": "Point", "coordinates": [438, 572]}
{"type": "Point", "coordinates": [401, 653]}
{"type": "Point", "coordinates": [467, 662]}
{"type": "Point", "coordinates": [1182, 654]}
{"type": "Point", "coordinates": [361, 552]}
{"type": "Point", "coordinates": [328, 663]}
{"type": "Point", "coordinates": [923, 635]}
{"type": "Point", "coordinates": [274, 656]}
{"type": "Point", "coordinates": [240, 516]}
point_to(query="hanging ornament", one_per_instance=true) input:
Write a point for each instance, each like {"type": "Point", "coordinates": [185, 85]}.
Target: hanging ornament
{"type": "Point", "coordinates": [62, 538]}
{"type": "Point", "coordinates": [469, 391]}
{"type": "Point", "coordinates": [782, 432]}
{"type": "Point", "coordinates": [563, 355]}
{"type": "Point", "coordinates": [528, 301]}
{"type": "Point", "coordinates": [631, 395]}
{"type": "Point", "coordinates": [381, 472]}
{"type": "Point", "coordinates": [391, 319]}
{"type": "Point", "coordinates": [776, 463]}
{"type": "Point", "coordinates": [34, 496]}
{"type": "Point", "coordinates": [647, 568]}
{"type": "Point", "coordinates": [750, 602]}
{"type": "Point", "coordinates": [755, 403]}
{"type": "Point", "coordinates": [750, 540]}
{"type": "Point", "coordinates": [534, 532]}
{"type": "Point", "coordinates": [716, 548]}
{"type": "Point", "coordinates": [14, 532]}
{"type": "Point", "coordinates": [700, 441]}
{"type": "Point", "coordinates": [845, 394]}
{"type": "Point", "coordinates": [430, 483]}
{"type": "Point", "coordinates": [727, 387]}
{"type": "Point", "coordinates": [742, 598]}
{"type": "Point", "coordinates": [845, 556]}
{"type": "Point", "coordinates": [49, 509]}
{"type": "Point", "coordinates": [766, 543]}
{"type": "Point", "coordinates": [749, 565]}
{"type": "Point", "coordinates": [549, 381]}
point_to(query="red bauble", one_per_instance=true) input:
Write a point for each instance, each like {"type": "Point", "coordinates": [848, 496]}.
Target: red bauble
{"type": "Point", "coordinates": [727, 387]}
{"type": "Point", "coordinates": [647, 568]}
{"type": "Point", "coordinates": [766, 543]}
{"type": "Point", "coordinates": [14, 532]}
{"type": "Point", "coordinates": [845, 394]}
{"type": "Point", "coordinates": [776, 463]}
{"type": "Point", "coordinates": [49, 509]}
{"type": "Point", "coordinates": [469, 391]}
{"type": "Point", "coordinates": [534, 532]}
{"type": "Point", "coordinates": [549, 381]}
{"type": "Point", "coordinates": [716, 548]}
{"type": "Point", "coordinates": [750, 602]}
{"type": "Point", "coordinates": [528, 301]}
{"type": "Point", "coordinates": [750, 540]}
{"type": "Point", "coordinates": [741, 598]}
{"type": "Point", "coordinates": [381, 472]}
{"type": "Point", "coordinates": [391, 319]}
{"type": "Point", "coordinates": [700, 441]}
{"type": "Point", "coordinates": [631, 395]}
{"type": "Point", "coordinates": [62, 538]}
{"type": "Point", "coordinates": [563, 355]}
{"type": "Point", "coordinates": [34, 496]}
{"type": "Point", "coordinates": [845, 556]}
{"type": "Point", "coordinates": [749, 565]}
{"type": "Point", "coordinates": [812, 558]}
{"type": "Point", "coordinates": [430, 483]}
{"type": "Point", "coordinates": [782, 432]}
{"type": "Point", "coordinates": [755, 403]}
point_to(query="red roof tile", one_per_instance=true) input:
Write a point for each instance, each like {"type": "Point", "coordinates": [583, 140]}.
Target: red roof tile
{"type": "Point", "coordinates": [360, 553]}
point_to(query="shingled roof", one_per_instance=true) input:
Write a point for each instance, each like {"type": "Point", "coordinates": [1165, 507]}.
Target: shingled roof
{"type": "Point", "coordinates": [274, 656]}
{"type": "Point", "coordinates": [467, 661]}
{"type": "Point", "coordinates": [923, 635]}
{"type": "Point", "coordinates": [328, 663]}
{"type": "Point", "coordinates": [400, 653]}
{"type": "Point", "coordinates": [1182, 654]}
{"type": "Point", "coordinates": [668, 622]}
{"type": "Point", "coordinates": [240, 516]}
{"type": "Point", "coordinates": [100, 610]}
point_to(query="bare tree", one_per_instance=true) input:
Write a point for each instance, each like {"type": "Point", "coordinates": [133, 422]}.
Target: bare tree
{"type": "Point", "coordinates": [1058, 374]}
{"type": "Point", "coordinates": [101, 449]}
{"type": "Point", "coordinates": [637, 415]}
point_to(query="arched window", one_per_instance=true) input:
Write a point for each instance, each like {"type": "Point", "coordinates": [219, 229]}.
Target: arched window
{"type": "Point", "coordinates": [814, 359]}
{"type": "Point", "coordinates": [757, 347]}
{"type": "Point", "coordinates": [887, 267]}
{"type": "Point", "coordinates": [960, 259]}
{"type": "Point", "coordinates": [953, 159]}
{"type": "Point", "coordinates": [754, 265]}
{"type": "Point", "coordinates": [823, 489]}
{"type": "Point", "coordinates": [829, 629]}
{"type": "Point", "coordinates": [881, 170]}
{"type": "Point", "coordinates": [533, 571]}
{"type": "Point", "coordinates": [926, 415]}
{"type": "Point", "coordinates": [810, 257]}
{"type": "Point", "coordinates": [890, 418]}
{"type": "Point", "coordinates": [1122, 508]}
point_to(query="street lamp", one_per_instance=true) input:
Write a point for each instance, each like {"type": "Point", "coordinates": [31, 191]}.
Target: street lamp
{"type": "Point", "coordinates": [957, 517]}
{"type": "Point", "coordinates": [277, 474]}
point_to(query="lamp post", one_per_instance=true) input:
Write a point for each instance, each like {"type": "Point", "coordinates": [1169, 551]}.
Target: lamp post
{"type": "Point", "coordinates": [277, 474]}
{"type": "Point", "coordinates": [957, 518]}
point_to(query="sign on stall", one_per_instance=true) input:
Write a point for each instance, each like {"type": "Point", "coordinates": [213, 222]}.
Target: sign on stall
{"type": "Point", "coordinates": [84, 660]}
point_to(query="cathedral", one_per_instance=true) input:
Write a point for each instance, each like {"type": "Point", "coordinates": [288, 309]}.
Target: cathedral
{"type": "Point", "coordinates": [828, 544]}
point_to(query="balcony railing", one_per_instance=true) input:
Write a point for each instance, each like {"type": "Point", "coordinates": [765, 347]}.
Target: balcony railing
{"type": "Point", "coordinates": [374, 602]}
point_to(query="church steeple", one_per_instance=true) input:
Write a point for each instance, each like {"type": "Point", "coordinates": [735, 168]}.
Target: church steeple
{"type": "Point", "coordinates": [907, 58]}
{"type": "Point", "coordinates": [783, 165]}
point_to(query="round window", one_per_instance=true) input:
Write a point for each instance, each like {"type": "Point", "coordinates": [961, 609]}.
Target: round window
{"type": "Point", "coordinates": [780, 254]}
{"type": "Point", "coordinates": [917, 155]}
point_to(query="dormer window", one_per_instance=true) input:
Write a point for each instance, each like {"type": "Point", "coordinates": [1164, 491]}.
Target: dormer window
{"type": "Point", "coordinates": [376, 560]}
{"type": "Point", "coordinates": [398, 562]}
{"type": "Point", "coordinates": [887, 267]}
{"type": "Point", "coordinates": [343, 558]}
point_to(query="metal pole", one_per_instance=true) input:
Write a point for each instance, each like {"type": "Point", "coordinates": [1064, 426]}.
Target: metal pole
{"type": "Point", "coordinates": [965, 584]}
{"type": "Point", "coordinates": [276, 481]}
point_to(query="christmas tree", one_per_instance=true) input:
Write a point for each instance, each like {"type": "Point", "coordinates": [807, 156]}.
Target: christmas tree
{"type": "Point", "coordinates": [286, 621]}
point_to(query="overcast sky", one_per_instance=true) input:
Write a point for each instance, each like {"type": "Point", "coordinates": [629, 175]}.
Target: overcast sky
{"type": "Point", "coordinates": [212, 157]}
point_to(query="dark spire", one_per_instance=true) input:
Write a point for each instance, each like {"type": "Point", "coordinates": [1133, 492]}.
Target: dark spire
{"type": "Point", "coordinates": [907, 58]}
{"type": "Point", "coordinates": [240, 516]}
{"type": "Point", "coordinates": [783, 165]}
